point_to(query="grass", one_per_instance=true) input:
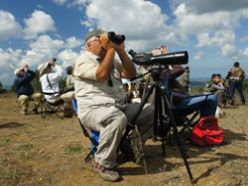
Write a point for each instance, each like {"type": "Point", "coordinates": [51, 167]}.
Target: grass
{"type": "Point", "coordinates": [25, 151]}
{"type": "Point", "coordinates": [73, 150]}
{"type": "Point", "coordinates": [11, 175]}
{"type": "Point", "coordinates": [5, 141]}
{"type": "Point", "coordinates": [27, 146]}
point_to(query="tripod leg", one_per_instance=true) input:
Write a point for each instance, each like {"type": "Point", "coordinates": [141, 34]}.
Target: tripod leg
{"type": "Point", "coordinates": [173, 125]}
{"type": "Point", "coordinates": [158, 118]}
{"type": "Point", "coordinates": [138, 111]}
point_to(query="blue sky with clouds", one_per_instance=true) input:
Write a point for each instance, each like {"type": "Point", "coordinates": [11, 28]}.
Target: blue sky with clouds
{"type": "Point", "coordinates": [214, 32]}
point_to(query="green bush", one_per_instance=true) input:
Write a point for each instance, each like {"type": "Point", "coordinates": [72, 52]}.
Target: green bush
{"type": "Point", "coordinates": [2, 90]}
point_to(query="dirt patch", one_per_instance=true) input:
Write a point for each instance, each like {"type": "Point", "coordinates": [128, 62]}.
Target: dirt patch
{"type": "Point", "coordinates": [50, 151]}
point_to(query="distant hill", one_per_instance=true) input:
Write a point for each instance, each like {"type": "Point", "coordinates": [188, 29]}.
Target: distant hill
{"type": "Point", "coordinates": [197, 82]}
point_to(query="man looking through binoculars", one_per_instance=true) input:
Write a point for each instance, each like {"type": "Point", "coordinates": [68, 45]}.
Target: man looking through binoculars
{"type": "Point", "coordinates": [102, 104]}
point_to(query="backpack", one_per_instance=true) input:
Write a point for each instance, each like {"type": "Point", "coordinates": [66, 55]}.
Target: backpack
{"type": "Point", "coordinates": [237, 74]}
{"type": "Point", "coordinates": [207, 132]}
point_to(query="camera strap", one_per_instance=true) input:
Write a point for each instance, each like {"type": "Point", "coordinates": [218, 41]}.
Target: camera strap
{"type": "Point", "coordinates": [50, 85]}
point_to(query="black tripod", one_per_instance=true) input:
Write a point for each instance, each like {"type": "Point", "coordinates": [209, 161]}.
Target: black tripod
{"type": "Point", "coordinates": [162, 107]}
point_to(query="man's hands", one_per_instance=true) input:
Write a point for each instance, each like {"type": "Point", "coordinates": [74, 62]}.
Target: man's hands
{"type": "Point", "coordinates": [106, 65]}
{"type": "Point", "coordinates": [120, 48]}
{"type": "Point", "coordinates": [106, 43]}
{"type": "Point", "coordinates": [52, 63]}
{"type": "Point", "coordinates": [25, 68]}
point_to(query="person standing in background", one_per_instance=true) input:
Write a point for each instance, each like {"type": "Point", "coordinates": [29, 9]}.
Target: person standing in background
{"type": "Point", "coordinates": [184, 80]}
{"type": "Point", "coordinates": [236, 75]}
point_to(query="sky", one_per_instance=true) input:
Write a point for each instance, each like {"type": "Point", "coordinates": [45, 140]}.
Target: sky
{"type": "Point", "coordinates": [214, 32]}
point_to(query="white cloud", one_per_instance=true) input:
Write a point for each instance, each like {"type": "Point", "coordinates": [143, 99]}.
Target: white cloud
{"type": "Point", "coordinates": [198, 55]}
{"type": "Point", "coordinates": [143, 22]}
{"type": "Point", "coordinates": [219, 38]}
{"type": "Point", "coordinates": [245, 52]}
{"type": "Point", "coordinates": [9, 61]}
{"type": "Point", "coordinates": [72, 3]}
{"type": "Point", "coordinates": [9, 28]}
{"type": "Point", "coordinates": [38, 23]}
{"type": "Point", "coordinates": [214, 28]}
{"type": "Point", "coordinates": [188, 22]}
{"type": "Point", "coordinates": [43, 49]}
{"type": "Point", "coordinates": [68, 57]}
{"type": "Point", "coordinates": [212, 5]}
{"type": "Point", "coordinates": [87, 23]}
{"type": "Point", "coordinates": [140, 17]}
{"type": "Point", "coordinates": [40, 51]}
{"type": "Point", "coordinates": [59, 2]}
{"type": "Point", "coordinates": [229, 50]}
{"type": "Point", "coordinates": [10, 57]}
{"type": "Point", "coordinates": [79, 3]}
{"type": "Point", "coordinates": [73, 42]}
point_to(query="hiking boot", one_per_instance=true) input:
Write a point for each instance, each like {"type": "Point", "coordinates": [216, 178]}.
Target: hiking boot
{"type": "Point", "coordinates": [105, 173]}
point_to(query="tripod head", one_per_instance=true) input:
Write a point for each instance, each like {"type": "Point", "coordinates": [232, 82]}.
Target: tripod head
{"type": "Point", "coordinates": [173, 58]}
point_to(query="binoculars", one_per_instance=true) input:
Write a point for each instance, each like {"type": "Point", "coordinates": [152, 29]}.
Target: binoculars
{"type": "Point", "coordinates": [116, 38]}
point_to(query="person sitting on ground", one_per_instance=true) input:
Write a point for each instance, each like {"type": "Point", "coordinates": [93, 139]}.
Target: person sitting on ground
{"type": "Point", "coordinates": [24, 89]}
{"type": "Point", "coordinates": [216, 86]}
{"type": "Point", "coordinates": [102, 104]}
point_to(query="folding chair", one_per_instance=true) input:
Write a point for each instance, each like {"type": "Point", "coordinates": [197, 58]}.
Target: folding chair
{"type": "Point", "coordinates": [93, 136]}
{"type": "Point", "coordinates": [48, 108]}
{"type": "Point", "coordinates": [188, 122]}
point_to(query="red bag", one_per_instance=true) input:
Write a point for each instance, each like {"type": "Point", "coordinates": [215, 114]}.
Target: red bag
{"type": "Point", "coordinates": [207, 132]}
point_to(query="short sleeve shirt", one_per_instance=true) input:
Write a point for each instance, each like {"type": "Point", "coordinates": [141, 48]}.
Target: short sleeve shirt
{"type": "Point", "coordinates": [91, 92]}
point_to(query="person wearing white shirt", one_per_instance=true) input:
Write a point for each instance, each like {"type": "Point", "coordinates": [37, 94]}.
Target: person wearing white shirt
{"type": "Point", "coordinates": [50, 74]}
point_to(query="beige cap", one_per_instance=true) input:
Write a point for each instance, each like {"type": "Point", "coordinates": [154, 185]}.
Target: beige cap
{"type": "Point", "coordinates": [18, 70]}
{"type": "Point", "coordinates": [42, 67]}
{"type": "Point", "coordinates": [92, 33]}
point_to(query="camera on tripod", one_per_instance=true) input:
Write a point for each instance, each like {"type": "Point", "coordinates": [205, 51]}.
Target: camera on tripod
{"type": "Point", "coordinates": [116, 38]}
{"type": "Point", "coordinates": [173, 58]}
{"type": "Point", "coordinates": [164, 119]}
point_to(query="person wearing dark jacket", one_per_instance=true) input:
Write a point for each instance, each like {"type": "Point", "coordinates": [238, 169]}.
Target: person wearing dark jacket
{"type": "Point", "coordinates": [24, 89]}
